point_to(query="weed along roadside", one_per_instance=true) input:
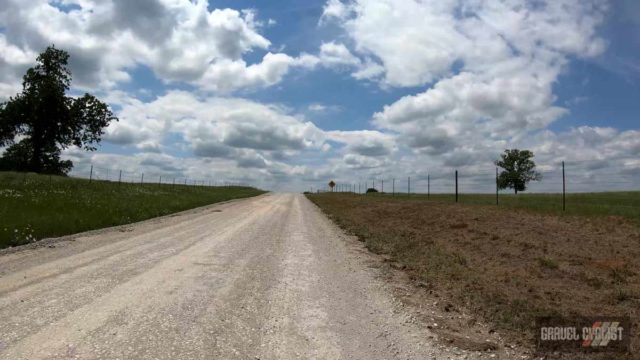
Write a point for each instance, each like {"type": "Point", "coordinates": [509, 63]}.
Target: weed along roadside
{"type": "Point", "coordinates": [506, 266]}
{"type": "Point", "coordinates": [34, 207]}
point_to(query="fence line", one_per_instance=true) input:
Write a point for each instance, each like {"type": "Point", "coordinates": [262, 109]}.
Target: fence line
{"type": "Point", "coordinates": [96, 173]}
{"type": "Point", "coordinates": [566, 177]}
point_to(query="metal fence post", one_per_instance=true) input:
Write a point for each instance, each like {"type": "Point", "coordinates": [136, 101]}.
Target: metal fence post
{"type": "Point", "coordinates": [428, 186]}
{"type": "Point", "coordinates": [497, 188]}
{"type": "Point", "coordinates": [393, 190]}
{"type": "Point", "coordinates": [564, 190]}
{"type": "Point", "coordinates": [456, 185]}
{"type": "Point", "coordinates": [91, 174]}
{"type": "Point", "coordinates": [142, 178]}
{"type": "Point", "coordinates": [409, 186]}
{"type": "Point", "coordinates": [120, 178]}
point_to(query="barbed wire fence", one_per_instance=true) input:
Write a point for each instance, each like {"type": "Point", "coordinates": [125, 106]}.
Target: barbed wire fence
{"type": "Point", "coordinates": [98, 173]}
{"type": "Point", "coordinates": [562, 178]}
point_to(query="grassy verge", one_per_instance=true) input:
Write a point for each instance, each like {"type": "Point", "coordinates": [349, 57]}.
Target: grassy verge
{"type": "Point", "coordinates": [506, 265]}
{"type": "Point", "coordinates": [34, 206]}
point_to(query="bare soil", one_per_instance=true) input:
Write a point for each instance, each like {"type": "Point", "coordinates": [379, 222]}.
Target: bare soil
{"type": "Point", "coordinates": [502, 266]}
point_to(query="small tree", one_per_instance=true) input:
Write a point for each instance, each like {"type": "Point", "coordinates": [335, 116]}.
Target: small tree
{"type": "Point", "coordinates": [332, 184]}
{"type": "Point", "coordinates": [47, 120]}
{"type": "Point", "coordinates": [518, 170]}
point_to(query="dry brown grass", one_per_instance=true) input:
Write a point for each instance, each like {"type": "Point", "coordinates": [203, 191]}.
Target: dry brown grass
{"type": "Point", "coordinates": [506, 265]}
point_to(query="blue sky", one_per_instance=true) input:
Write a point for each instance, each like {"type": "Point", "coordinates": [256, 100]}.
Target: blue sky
{"type": "Point", "coordinates": [607, 91]}
{"type": "Point", "coordinates": [287, 94]}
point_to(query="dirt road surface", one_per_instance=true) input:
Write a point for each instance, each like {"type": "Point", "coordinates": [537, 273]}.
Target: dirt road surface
{"type": "Point", "coordinates": [262, 278]}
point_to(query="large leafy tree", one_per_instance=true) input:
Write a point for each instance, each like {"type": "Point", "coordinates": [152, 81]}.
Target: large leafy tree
{"type": "Point", "coordinates": [518, 170]}
{"type": "Point", "coordinates": [47, 121]}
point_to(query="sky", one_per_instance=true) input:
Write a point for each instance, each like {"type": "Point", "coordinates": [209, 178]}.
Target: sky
{"type": "Point", "coordinates": [287, 94]}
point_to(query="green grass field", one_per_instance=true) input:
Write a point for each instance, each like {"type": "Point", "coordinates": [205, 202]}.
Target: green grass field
{"type": "Point", "coordinates": [626, 204]}
{"type": "Point", "coordinates": [33, 206]}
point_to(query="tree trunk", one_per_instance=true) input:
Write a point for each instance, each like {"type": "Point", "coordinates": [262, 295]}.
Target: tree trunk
{"type": "Point", "coordinates": [516, 190]}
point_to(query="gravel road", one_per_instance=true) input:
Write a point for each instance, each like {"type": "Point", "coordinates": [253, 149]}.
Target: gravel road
{"type": "Point", "coordinates": [262, 278]}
